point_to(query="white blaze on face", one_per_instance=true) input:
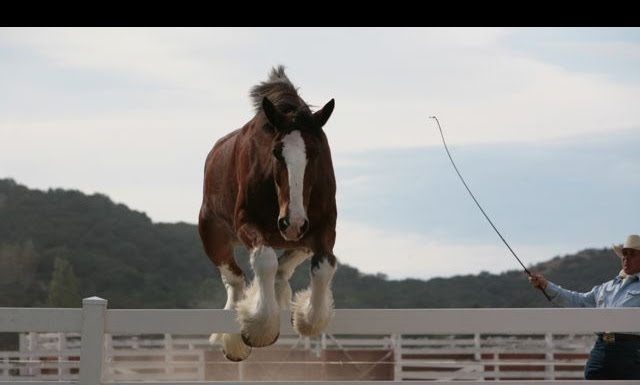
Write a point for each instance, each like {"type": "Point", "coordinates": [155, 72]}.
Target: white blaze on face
{"type": "Point", "coordinates": [295, 157]}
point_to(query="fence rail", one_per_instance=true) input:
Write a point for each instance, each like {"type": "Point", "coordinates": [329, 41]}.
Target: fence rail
{"type": "Point", "coordinates": [527, 346]}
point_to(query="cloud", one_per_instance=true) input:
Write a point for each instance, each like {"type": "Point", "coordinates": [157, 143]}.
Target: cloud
{"type": "Point", "coordinates": [413, 255]}
{"type": "Point", "coordinates": [170, 56]}
{"type": "Point", "coordinates": [479, 82]}
{"type": "Point", "coordinates": [506, 99]}
{"type": "Point", "coordinates": [153, 165]}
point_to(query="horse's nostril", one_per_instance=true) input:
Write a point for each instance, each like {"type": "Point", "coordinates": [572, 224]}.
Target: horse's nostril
{"type": "Point", "coordinates": [283, 223]}
{"type": "Point", "coordinates": [305, 227]}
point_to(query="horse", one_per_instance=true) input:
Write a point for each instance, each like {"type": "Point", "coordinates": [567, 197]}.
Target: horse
{"type": "Point", "coordinates": [270, 186]}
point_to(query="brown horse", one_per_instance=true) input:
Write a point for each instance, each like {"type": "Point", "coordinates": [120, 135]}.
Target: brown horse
{"type": "Point", "coordinates": [270, 184]}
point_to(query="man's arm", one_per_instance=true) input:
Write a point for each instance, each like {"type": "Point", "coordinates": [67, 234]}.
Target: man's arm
{"type": "Point", "coordinates": [563, 297]}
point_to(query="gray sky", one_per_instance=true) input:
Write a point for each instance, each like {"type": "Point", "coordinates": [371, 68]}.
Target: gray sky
{"type": "Point", "coordinates": [543, 122]}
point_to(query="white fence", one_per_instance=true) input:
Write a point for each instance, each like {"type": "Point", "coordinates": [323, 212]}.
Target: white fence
{"type": "Point", "coordinates": [166, 357]}
{"type": "Point", "coordinates": [541, 345]}
{"type": "Point", "coordinates": [394, 357]}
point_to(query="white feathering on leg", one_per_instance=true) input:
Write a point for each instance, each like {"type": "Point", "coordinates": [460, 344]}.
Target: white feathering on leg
{"type": "Point", "coordinates": [258, 312]}
{"type": "Point", "coordinates": [233, 347]}
{"type": "Point", "coordinates": [312, 309]}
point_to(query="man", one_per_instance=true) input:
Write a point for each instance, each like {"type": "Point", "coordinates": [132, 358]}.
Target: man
{"type": "Point", "coordinates": [614, 356]}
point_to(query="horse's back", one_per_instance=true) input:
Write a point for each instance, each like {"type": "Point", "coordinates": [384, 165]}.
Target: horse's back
{"type": "Point", "coordinates": [219, 177]}
{"type": "Point", "coordinates": [224, 144]}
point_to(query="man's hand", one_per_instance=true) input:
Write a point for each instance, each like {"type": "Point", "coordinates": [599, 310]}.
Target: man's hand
{"type": "Point", "coordinates": [538, 281]}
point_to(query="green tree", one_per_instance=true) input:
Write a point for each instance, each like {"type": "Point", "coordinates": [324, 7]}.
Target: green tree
{"type": "Point", "coordinates": [18, 263]}
{"type": "Point", "coordinates": [18, 270]}
{"type": "Point", "coordinates": [63, 290]}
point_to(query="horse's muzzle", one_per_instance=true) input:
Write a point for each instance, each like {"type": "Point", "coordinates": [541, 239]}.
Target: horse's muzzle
{"type": "Point", "coordinates": [292, 231]}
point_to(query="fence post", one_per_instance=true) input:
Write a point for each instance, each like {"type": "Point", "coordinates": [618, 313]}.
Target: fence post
{"type": "Point", "coordinates": [62, 357]}
{"type": "Point", "coordinates": [168, 355]}
{"type": "Point", "coordinates": [548, 356]}
{"type": "Point", "coordinates": [33, 345]}
{"type": "Point", "coordinates": [477, 352]}
{"type": "Point", "coordinates": [397, 356]}
{"type": "Point", "coordinates": [202, 365]}
{"type": "Point", "coordinates": [91, 348]}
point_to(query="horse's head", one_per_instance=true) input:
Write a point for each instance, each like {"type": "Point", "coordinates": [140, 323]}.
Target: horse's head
{"type": "Point", "coordinates": [296, 146]}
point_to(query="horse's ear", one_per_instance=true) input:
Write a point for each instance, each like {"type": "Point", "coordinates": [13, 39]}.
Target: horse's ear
{"type": "Point", "coordinates": [275, 117]}
{"type": "Point", "coordinates": [321, 116]}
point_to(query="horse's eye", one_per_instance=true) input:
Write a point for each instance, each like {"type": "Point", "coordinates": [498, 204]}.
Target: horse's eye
{"type": "Point", "coordinates": [277, 153]}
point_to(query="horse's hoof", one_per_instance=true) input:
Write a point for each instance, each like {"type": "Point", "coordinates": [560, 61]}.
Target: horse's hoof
{"type": "Point", "coordinates": [239, 358]}
{"type": "Point", "coordinates": [247, 341]}
{"type": "Point", "coordinates": [232, 346]}
{"type": "Point", "coordinates": [260, 328]}
{"type": "Point", "coordinates": [275, 339]}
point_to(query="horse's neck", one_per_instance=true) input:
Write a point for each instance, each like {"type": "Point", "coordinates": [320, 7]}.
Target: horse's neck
{"type": "Point", "coordinates": [256, 157]}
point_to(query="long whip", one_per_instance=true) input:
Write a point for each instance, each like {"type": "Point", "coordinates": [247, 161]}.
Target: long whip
{"type": "Point", "coordinates": [480, 207]}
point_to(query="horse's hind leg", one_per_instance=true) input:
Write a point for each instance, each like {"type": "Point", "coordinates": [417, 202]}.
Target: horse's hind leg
{"type": "Point", "coordinates": [217, 245]}
{"type": "Point", "coordinates": [312, 309]}
{"type": "Point", "coordinates": [286, 266]}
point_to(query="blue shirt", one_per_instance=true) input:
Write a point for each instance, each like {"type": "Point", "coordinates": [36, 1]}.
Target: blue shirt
{"type": "Point", "coordinates": [619, 292]}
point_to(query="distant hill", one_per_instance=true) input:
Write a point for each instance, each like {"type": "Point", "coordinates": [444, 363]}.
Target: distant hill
{"type": "Point", "coordinates": [121, 255]}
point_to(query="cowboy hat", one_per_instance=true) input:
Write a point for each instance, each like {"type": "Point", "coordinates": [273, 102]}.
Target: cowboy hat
{"type": "Point", "coordinates": [632, 242]}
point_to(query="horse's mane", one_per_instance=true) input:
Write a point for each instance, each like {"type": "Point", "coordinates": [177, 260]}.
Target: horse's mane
{"type": "Point", "coordinates": [279, 90]}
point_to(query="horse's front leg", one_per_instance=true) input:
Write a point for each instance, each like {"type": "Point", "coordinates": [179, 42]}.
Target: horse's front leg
{"type": "Point", "coordinates": [258, 311]}
{"type": "Point", "coordinates": [312, 309]}
{"type": "Point", "coordinates": [286, 266]}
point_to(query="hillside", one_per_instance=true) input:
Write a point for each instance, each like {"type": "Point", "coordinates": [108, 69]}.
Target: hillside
{"type": "Point", "coordinates": [121, 255]}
